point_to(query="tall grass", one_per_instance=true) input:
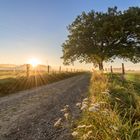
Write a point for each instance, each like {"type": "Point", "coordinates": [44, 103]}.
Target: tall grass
{"type": "Point", "coordinates": [12, 85]}
{"type": "Point", "coordinates": [112, 113]}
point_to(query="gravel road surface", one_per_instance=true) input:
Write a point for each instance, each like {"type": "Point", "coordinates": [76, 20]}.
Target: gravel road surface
{"type": "Point", "coordinates": [30, 114]}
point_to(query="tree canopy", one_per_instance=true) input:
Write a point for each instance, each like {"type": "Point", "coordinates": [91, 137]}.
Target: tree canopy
{"type": "Point", "coordinates": [98, 37]}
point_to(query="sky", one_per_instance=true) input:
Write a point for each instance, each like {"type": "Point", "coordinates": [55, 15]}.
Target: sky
{"type": "Point", "coordinates": [37, 28]}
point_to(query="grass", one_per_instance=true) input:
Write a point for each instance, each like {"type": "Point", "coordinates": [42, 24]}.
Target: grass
{"type": "Point", "coordinates": [113, 111]}
{"type": "Point", "coordinates": [135, 80]}
{"type": "Point", "coordinates": [15, 74]}
{"type": "Point", "coordinates": [15, 84]}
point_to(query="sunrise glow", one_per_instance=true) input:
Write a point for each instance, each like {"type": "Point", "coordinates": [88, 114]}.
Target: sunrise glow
{"type": "Point", "coordinates": [33, 61]}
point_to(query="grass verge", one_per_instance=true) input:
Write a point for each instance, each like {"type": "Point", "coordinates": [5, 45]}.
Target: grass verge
{"type": "Point", "coordinates": [111, 112]}
{"type": "Point", "coordinates": [12, 85]}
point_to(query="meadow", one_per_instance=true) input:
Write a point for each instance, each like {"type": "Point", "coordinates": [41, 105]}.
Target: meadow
{"type": "Point", "coordinates": [12, 82]}
{"type": "Point", "coordinates": [112, 109]}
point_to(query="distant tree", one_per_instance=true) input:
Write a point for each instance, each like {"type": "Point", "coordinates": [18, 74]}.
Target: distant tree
{"type": "Point", "coordinates": [97, 37]}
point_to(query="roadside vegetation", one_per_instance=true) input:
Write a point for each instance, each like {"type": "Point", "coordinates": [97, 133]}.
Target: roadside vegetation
{"type": "Point", "coordinates": [112, 109]}
{"type": "Point", "coordinates": [18, 83]}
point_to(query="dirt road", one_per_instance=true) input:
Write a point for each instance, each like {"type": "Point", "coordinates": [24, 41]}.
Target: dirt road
{"type": "Point", "coordinates": [30, 115]}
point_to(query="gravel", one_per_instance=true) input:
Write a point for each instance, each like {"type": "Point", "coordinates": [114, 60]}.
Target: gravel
{"type": "Point", "coordinates": [31, 114]}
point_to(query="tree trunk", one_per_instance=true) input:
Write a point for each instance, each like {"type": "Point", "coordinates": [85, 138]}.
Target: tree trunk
{"type": "Point", "coordinates": [101, 68]}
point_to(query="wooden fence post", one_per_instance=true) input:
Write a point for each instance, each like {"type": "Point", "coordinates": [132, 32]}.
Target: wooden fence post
{"type": "Point", "coordinates": [123, 70]}
{"type": "Point", "coordinates": [60, 69]}
{"type": "Point", "coordinates": [48, 69]}
{"type": "Point", "coordinates": [28, 70]}
{"type": "Point", "coordinates": [111, 69]}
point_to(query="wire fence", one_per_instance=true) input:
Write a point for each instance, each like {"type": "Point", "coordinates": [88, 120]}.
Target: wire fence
{"type": "Point", "coordinates": [135, 68]}
{"type": "Point", "coordinates": [28, 70]}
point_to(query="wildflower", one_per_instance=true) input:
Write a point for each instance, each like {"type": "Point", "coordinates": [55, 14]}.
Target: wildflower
{"type": "Point", "coordinates": [97, 105]}
{"type": "Point", "coordinates": [92, 104]}
{"type": "Point", "coordinates": [78, 105]}
{"type": "Point", "coordinates": [67, 106]}
{"type": "Point", "coordinates": [84, 103]}
{"type": "Point", "coordinates": [93, 109]}
{"type": "Point", "coordinates": [74, 134]}
{"type": "Point", "coordinates": [105, 113]}
{"type": "Point", "coordinates": [58, 123]}
{"type": "Point", "coordinates": [67, 116]}
{"type": "Point", "coordinates": [89, 132]}
{"type": "Point", "coordinates": [114, 127]}
{"type": "Point", "coordinates": [107, 90]}
{"type": "Point", "coordinates": [85, 100]}
{"type": "Point", "coordinates": [84, 107]}
{"type": "Point", "coordinates": [118, 99]}
{"type": "Point", "coordinates": [89, 126]}
{"type": "Point", "coordinates": [81, 126]}
{"type": "Point", "coordinates": [102, 102]}
{"type": "Point", "coordinates": [64, 110]}
{"type": "Point", "coordinates": [86, 136]}
{"type": "Point", "coordinates": [106, 93]}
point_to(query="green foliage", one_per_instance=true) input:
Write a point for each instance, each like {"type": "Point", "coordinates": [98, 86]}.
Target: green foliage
{"type": "Point", "coordinates": [98, 37]}
{"type": "Point", "coordinates": [130, 35]}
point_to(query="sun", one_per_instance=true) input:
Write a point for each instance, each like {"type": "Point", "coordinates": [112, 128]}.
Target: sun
{"type": "Point", "coordinates": [33, 61]}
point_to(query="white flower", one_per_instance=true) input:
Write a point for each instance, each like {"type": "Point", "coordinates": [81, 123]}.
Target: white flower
{"type": "Point", "coordinates": [58, 123]}
{"type": "Point", "coordinates": [74, 134]}
{"type": "Point", "coordinates": [85, 100]}
{"type": "Point", "coordinates": [86, 136]}
{"type": "Point", "coordinates": [78, 105]}
{"type": "Point", "coordinates": [67, 116]}
{"type": "Point", "coordinates": [102, 102]}
{"type": "Point", "coordinates": [115, 128]}
{"type": "Point", "coordinates": [117, 98]}
{"type": "Point", "coordinates": [105, 112]}
{"type": "Point", "coordinates": [81, 126]}
{"type": "Point", "coordinates": [67, 106]}
{"type": "Point", "coordinates": [84, 103]}
{"type": "Point", "coordinates": [107, 90]}
{"type": "Point", "coordinates": [84, 107]}
{"type": "Point", "coordinates": [106, 93]}
{"type": "Point", "coordinates": [89, 126]}
{"type": "Point", "coordinates": [64, 110]}
{"type": "Point", "coordinates": [97, 105]}
{"type": "Point", "coordinates": [93, 109]}
{"type": "Point", "coordinates": [89, 132]}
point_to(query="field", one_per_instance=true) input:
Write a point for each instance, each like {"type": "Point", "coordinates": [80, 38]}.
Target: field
{"type": "Point", "coordinates": [16, 74]}
{"type": "Point", "coordinates": [112, 109]}
{"type": "Point", "coordinates": [11, 82]}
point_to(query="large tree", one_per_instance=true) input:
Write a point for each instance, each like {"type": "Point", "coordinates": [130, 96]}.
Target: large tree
{"type": "Point", "coordinates": [129, 40]}
{"type": "Point", "coordinates": [97, 37]}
